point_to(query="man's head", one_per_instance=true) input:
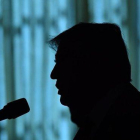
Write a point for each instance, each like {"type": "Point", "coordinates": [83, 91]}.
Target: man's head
{"type": "Point", "coordinates": [91, 58]}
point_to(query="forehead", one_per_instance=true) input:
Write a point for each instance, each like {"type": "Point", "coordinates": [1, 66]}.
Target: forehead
{"type": "Point", "coordinates": [71, 49]}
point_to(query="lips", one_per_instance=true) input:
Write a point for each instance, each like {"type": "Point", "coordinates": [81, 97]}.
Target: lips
{"type": "Point", "coordinates": [62, 91]}
{"type": "Point", "coordinates": [59, 92]}
{"type": "Point", "coordinates": [57, 86]}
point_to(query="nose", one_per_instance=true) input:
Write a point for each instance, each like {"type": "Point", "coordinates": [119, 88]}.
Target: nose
{"type": "Point", "coordinates": [53, 74]}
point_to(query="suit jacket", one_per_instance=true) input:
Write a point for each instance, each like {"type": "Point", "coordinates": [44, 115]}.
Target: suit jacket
{"type": "Point", "coordinates": [117, 116]}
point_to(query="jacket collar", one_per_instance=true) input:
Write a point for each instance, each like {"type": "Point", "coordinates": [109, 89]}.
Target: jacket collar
{"type": "Point", "coordinates": [100, 110]}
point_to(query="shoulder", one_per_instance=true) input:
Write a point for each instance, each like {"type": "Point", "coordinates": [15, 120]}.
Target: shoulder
{"type": "Point", "coordinates": [125, 113]}
{"type": "Point", "coordinates": [127, 103]}
{"type": "Point", "coordinates": [127, 126]}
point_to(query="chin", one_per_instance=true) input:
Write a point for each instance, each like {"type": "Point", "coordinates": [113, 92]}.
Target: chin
{"type": "Point", "coordinates": [77, 119]}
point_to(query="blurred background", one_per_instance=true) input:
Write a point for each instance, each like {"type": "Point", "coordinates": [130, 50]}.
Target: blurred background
{"type": "Point", "coordinates": [26, 60]}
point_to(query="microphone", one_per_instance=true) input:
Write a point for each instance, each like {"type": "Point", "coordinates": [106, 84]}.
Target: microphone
{"type": "Point", "coordinates": [14, 109]}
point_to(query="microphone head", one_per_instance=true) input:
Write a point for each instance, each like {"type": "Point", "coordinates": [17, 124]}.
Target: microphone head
{"type": "Point", "coordinates": [16, 108]}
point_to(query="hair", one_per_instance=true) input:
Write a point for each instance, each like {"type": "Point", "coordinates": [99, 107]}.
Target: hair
{"type": "Point", "coordinates": [103, 42]}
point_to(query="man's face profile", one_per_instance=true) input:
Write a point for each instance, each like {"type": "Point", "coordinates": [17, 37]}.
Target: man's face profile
{"type": "Point", "coordinates": [73, 83]}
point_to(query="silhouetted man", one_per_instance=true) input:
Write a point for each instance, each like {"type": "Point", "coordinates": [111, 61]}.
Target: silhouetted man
{"type": "Point", "coordinates": [93, 75]}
